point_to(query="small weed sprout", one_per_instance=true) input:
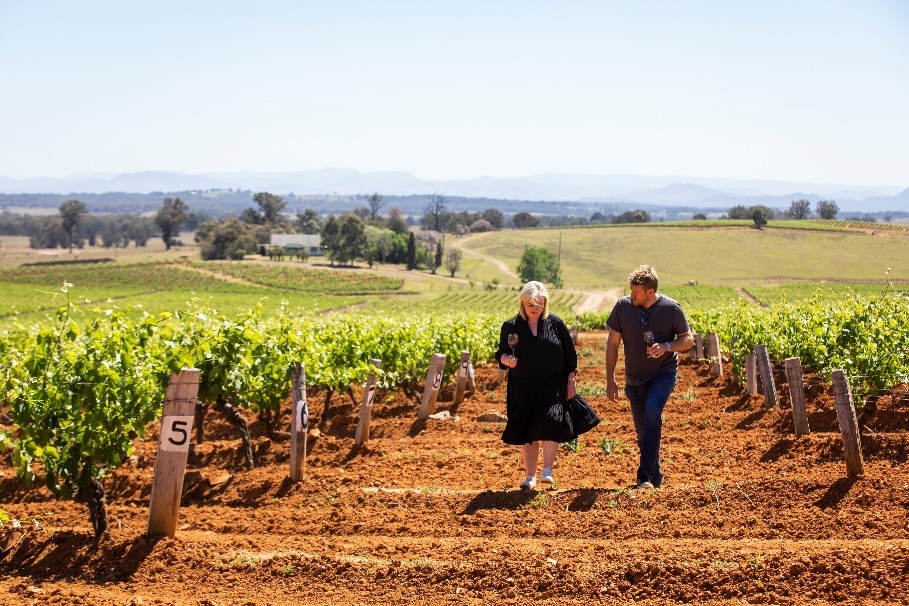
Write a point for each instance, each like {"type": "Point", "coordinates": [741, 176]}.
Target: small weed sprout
{"type": "Point", "coordinates": [611, 446]}
{"type": "Point", "coordinates": [713, 485]}
{"type": "Point", "coordinates": [574, 446]}
{"type": "Point", "coordinates": [592, 389]}
{"type": "Point", "coordinates": [540, 501]}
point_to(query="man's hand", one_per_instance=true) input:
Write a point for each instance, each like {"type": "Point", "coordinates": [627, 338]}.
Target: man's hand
{"type": "Point", "coordinates": [612, 391]}
{"type": "Point", "coordinates": [656, 350]}
{"type": "Point", "coordinates": [509, 360]}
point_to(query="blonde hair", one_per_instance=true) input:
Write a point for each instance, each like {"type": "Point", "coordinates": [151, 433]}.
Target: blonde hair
{"type": "Point", "coordinates": [645, 276]}
{"type": "Point", "coordinates": [531, 293]}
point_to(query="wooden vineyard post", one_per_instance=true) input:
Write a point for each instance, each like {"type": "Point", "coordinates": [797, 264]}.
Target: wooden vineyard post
{"type": "Point", "coordinates": [433, 384]}
{"type": "Point", "coordinates": [173, 448]}
{"type": "Point", "coordinates": [767, 382]}
{"type": "Point", "coordinates": [471, 379]}
{"type": "Point", "coordinates": [797, 394]}
{"type": "Point", "coordinates": [462, 380]}
{"type": "Point", "coordinates": [699, 345]}
{"type": "Point", "coordinates": [716, 356]}
{"type": "Point", "coordinates": [845, 413]}
{"type": "Point", "coordinates": [366, 409]}
{"type": "Point", "coordinates": [299, 424]}
{"type": "Point", "coordinates": [750, 374]}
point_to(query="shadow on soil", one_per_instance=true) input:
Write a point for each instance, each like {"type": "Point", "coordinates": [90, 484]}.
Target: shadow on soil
{"type": "Point", "coordinates": [778, 450]}
{"type": "Point", "coordinates": [836, 493]}
{"type": "Point", "coordinates": [69, 554]}
{"type": "Point", "coordinates": [582, 499]}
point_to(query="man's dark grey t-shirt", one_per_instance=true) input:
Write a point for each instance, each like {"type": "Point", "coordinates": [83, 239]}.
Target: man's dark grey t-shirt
{"type": "Point", "coordinates": [666, 320]}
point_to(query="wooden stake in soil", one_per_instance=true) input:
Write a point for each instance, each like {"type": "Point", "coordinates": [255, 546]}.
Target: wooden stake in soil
{"type": "Point", "coordinates": [299, 424]}
{"type": "Point", "coordinates": [366, 409]}
{"type": "Point", "coordinates": [767, 382]}
{"type": "Point", "coordinates": [797, 394]}
{"type": "Point", "coordinates": [699, 345]}
{"type": "Point", "coordinates": [845, 413]}
{"type": "Point", "coordinates": [471, 379]}
{"type": "Point", "coordinates": [433, 384]}
{"type": "Point", "coordinates": [462, 380]}
{"type": "Point", "coordinates": [173, 447]}
{"type": "Point", "coordinates": [716, 356]}
{"type": "Point", "coordinates": [750, 374]}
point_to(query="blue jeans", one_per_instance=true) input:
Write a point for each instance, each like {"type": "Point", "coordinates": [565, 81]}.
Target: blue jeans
{"type": "Point", "coordinates": [647, 403]}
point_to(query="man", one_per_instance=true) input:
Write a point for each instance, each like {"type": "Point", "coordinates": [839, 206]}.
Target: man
{"type": "Point", "coordinates": [655, 330]}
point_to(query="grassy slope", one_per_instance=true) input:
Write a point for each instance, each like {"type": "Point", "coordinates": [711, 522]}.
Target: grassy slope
{"type": "Point", "coordinates": [601, 257]}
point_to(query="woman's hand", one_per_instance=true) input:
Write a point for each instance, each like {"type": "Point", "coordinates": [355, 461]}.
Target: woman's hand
{"type": "Point", "coordinates": [572, 388]}
{"type": "Point", "coordinates": [509, 360]}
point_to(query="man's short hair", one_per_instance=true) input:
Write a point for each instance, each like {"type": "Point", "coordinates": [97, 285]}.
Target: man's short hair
{"type": "Point", "coordinates": [645, 276]}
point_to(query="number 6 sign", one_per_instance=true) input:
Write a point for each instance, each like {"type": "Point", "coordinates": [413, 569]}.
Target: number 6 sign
{"type": "Point", "coordinates": [170, 464]}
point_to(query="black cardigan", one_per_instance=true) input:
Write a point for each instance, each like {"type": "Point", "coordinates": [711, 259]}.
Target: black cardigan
{"type": "Point", "coordinates": [550, 352]}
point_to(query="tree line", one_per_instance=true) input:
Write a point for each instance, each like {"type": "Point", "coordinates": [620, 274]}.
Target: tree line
{"type": "Point", "coordinates": [75, 227]}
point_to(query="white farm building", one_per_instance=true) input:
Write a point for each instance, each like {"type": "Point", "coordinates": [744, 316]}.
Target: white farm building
{"type": "Point", "coordinates": [311, 243]}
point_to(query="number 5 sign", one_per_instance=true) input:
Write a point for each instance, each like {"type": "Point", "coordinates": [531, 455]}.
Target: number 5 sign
{"type": "Point", "coordinates": [175, 432]}
{"type": "Point", "coordinates": [170, 465]}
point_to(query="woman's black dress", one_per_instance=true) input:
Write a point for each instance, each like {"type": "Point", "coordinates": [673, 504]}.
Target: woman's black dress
{"type": "Point", "coordinates": [536, 386]}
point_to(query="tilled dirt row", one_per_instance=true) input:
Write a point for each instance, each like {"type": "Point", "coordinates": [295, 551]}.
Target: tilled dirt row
{"type": "Point", "coordinates": [430, 513]}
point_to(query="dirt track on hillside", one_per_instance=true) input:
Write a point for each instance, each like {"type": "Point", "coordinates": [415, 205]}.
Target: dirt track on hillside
{"type": "Point", "coordinates": [431, 514]}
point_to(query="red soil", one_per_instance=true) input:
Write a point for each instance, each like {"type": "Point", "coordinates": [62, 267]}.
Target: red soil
{"type": "Point", "coordinates": [431, 514]}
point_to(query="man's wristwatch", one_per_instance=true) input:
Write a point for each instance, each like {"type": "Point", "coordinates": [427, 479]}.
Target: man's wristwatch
{"type": "Point", "coordinates": [668, 346]}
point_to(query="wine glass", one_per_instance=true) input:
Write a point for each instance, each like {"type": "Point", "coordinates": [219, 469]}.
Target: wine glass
{"type": "Point", "coordinates": [512, 341]}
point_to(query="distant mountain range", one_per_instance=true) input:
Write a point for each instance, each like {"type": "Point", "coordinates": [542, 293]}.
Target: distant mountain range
{"type": "Point", "coordinates": [670, 191]}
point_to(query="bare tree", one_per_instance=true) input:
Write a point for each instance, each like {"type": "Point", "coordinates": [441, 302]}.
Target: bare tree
{"type": "Point", "coordinates": [375, 205]}
{"type": "Point", "coordinates": [434, 210]}
{"type": "Point", "coordinates": [453, 260]}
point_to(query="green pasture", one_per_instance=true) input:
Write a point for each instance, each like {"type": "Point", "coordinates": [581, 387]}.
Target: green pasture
{"type": "Point", "coordinates": [600, 258]}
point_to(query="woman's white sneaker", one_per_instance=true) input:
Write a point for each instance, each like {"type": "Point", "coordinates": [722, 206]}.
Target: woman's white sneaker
{"type": "Point", "coordinates": [529, 483]}
{"type": "Point", "coordinates": [546, 476]}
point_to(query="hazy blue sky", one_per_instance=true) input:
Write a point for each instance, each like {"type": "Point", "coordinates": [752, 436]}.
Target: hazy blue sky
{"type": "Point", "coordinates": [791, 90]}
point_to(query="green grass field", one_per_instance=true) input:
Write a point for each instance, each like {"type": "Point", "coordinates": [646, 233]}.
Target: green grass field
{"type": "Point", "coordinates": [601, 257]}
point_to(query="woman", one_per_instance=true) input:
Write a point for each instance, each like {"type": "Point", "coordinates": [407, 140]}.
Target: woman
{"type": "Point", "coordinates": [543, 366]}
